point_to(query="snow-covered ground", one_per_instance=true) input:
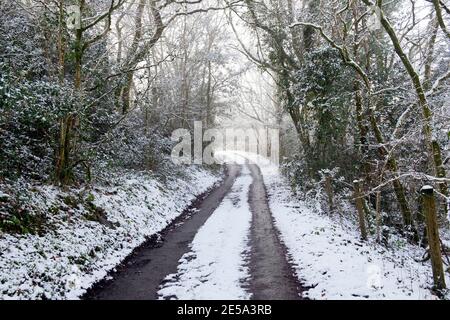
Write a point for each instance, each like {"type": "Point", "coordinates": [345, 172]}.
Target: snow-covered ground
{"type": "Point", "coordinates": [325, 250]}
{"type": "Point", "coordinates": [215, 268]}
{"type": "Point", "coordinates": [329, 257]}
{"type": "Point", "coordinates": [76, 252]}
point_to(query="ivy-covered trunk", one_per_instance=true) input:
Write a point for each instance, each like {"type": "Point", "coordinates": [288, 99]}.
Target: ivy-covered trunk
{"type": "Point", "coordinates": [64, 173]}
{"type": "Point", "coordinates": [64, 162]}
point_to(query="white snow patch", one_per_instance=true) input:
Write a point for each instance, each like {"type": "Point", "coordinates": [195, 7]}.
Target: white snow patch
{"type": "Point", "coordinates": [215, 268]}
{"type": "Point", "coordinates": [427, 188]}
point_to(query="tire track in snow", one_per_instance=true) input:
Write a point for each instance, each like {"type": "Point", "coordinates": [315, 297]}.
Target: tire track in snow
{"type": "Point", "coordinates": [272, 276]}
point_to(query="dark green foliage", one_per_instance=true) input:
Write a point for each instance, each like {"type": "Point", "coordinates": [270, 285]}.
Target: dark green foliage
{"type": "Point", "coordinates": [16, 216]}
{"type": "Point", "coordinates": [323, 87]}
{"type": "Point", "coordinates": [28, 120]}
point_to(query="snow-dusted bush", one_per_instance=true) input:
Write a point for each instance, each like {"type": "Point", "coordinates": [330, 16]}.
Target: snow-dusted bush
{"type": "Point", "coordinates": [29, 125]}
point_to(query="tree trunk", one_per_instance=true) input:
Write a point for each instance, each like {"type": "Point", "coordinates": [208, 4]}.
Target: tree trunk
{"type": "Point", "coordinates": [378, 216]}
{"type": "Point", "coordinates": [329, 191]}
{"type": "Point", "coordinates": [429, 207]}
{"type": "Point", "coordinates": [209, 111]}
{"type": "Point", "coordinates": [64, 170]}
{"type": "Point", "coordinates": [126, 93]}
{"type": "Point", "coordinates": [360, 207]}
{"type": "Point", "coordinates": [434, 149]}
{"type": "Point", "coordinates": [61, 43]}
{"type": "Point", "coordinates": [440, 19]}
{"type": "Point", "coordinates": [126, 89]}
{"type": "Point", "coordinates": [393, 166]}
{"type": "Point", "coordinates": [363, 130]}
{"type": "Point", "coordinates": [63, 174]}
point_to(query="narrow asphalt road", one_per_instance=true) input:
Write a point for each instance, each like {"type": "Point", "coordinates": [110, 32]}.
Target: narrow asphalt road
{"type": "Point", "coordinates": [272, 277]}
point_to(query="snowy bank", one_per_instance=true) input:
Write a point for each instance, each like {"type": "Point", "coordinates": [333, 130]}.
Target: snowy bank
{"type": "Point", "coordinates": [90, 232]}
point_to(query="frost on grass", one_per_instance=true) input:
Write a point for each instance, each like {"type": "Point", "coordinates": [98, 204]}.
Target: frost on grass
{"type": "Point", "coordinates": [215, 268]}
{"type": "Point", "coordinates": [90, 232]}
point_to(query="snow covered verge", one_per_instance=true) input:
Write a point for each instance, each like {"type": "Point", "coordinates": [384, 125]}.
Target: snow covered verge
{"type": "Point", "coordinates": [329, 257]}
{"type": "Point", "coordinates": [90, 231]}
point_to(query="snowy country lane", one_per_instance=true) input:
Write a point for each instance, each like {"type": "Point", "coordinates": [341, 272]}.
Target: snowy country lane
{"type": "Point", "coordinates": [229, 249]}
